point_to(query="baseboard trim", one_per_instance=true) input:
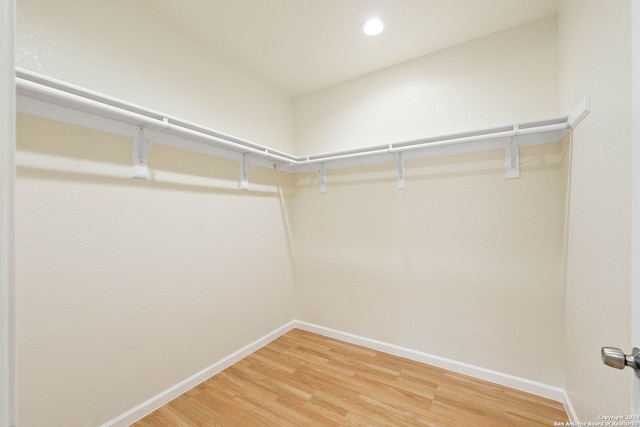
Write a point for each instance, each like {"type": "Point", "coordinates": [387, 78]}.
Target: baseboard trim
{"type": "Point", "coordinates": [162, 398]}
{"type": "Point", "coordinates": [571, 411]}
{"type": "Point", "coordinates": [540, 389]}
{"type": "Point", "coordinates": [523, 384]}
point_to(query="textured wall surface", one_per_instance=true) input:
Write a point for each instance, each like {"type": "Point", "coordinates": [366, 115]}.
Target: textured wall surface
{"type": "Point", "coordinates": [503, 78]}
{"type": "Point", "coordinates": [128, 51]}
{"type": "Point", "coordinates": [127, 287]}
{"type": "Point", "coordinates": [462, 264]}
{"type": "Point", "coordinates": [595, 52]}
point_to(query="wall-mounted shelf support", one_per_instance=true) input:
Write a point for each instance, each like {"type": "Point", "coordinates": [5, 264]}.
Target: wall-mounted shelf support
{"type": "Point", "coordinates": [512, 156]}
{"type": "Point", "coordinates": [140, 154]}
{"type": "Point", "coordinates": [54, 99]}
{"type": "Point", "coordinates": [322, 175]}
{"type": "Point", "coordinates": [580, 112]}
{"type": "Point", "coordinates": [245, 170]}
{"type": "Point", "coordinates": [401, 182]}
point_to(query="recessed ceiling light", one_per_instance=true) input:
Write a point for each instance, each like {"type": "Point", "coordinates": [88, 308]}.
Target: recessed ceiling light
{"type": "Point", "coordinates": [373, 26]}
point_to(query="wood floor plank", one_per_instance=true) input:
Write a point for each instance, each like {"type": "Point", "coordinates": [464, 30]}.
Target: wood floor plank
{"type": "Point", "coordinates": [306, 379]}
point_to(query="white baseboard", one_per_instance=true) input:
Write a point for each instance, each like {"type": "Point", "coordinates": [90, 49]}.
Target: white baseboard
{"type": "Point", "coordinates": [568, 407]}
{"type": "Point", "coordinates": [540, 389]}
{"type": "Point", "coordinates": [160, 399]}
{"type": "Point", "coordinates": [523, 384]}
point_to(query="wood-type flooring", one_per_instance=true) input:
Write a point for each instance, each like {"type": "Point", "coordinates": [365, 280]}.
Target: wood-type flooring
{"type": "Point", "coordinates": [305, 379]}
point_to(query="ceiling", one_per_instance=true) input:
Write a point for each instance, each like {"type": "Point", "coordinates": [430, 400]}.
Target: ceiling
{"type": "Point", "coordinates": [303, 45]}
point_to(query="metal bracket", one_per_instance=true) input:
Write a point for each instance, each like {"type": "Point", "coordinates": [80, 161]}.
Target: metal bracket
{"type": "Point", "coordinates": [580, 112]}
{"type": "Point", "coordinates": [322, 175]}
{"type": "Point", "coordinates": [512, 156]}
{"type": "Point", "coordinates": [140, 154]}
{"type": "Point", "coordinates": [244, 173]}
{"type": "Point", "coordinates": [401, 181]}
{"type": "Point", "coordinates": [614, 357]}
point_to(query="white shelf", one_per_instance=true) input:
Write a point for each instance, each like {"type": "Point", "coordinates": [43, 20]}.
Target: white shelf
{"type": "Point", "coordinates": [46, 97]}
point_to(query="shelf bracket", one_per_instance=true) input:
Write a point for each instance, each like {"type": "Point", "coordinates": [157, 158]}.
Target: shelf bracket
{"type": "Point", "coordinates": [401, 182]}
{"type": "Point", "coordinates": [580, 112]}
{"type": "Point", "coordinates": [322, 175]}
{"type": "Point", "coordinates": [512, 156]}
{"type": "Point", "coordinates": [244, 173]}
{"type": "Point", "coordinates": [140, 154]}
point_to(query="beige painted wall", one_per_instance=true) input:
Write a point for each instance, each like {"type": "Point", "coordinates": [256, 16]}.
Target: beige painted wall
{"type": "Point", "coordinates": [127, 287]}
{"type": "Point", "coordinates": [499, 79]}
{"type": "Point", "coordinates": [595, 52]}
{"type": "Point", "coordinates": [462, 264]}
{"type": "Point", "coordinates": [8, 405]}
{"type": "Point", "coordinates": [124, 49]}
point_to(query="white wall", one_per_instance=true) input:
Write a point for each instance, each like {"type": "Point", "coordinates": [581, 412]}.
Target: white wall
{"type": "Point", "coordinates": [7, 172]}
{"type": "Point", "coordinates": [595, 52]}
{"type": "Point", "coordinates": [503, 78]}
{"type": "Point", "coordinates": [126, 50]}
{"type": "Point", "coordinates": [127, 287]}
{"type": "Point", "coordinates": [462, 264]}
{"type": "Point", "coordinates": [635, 210]}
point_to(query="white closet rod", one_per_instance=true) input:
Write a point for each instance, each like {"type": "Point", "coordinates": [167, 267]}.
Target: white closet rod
{"type": "Point", "coordinates": [44, 96]}
{"type": "Point", "coordinates": [60, 93]}
{"type": "Point", "coordinates": [432, 144]}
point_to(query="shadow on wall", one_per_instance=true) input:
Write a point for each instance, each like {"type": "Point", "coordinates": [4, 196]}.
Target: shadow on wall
{"type": "Point", "coordinates": [533, 159]}
{"type": "Point", "coordinates": [58, 151]}
{"type": "Point", "coordinates": [48, 150]}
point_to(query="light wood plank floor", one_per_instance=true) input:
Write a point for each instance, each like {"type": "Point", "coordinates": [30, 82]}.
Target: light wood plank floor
{"type": "Point", "coordinates": [305, 379]}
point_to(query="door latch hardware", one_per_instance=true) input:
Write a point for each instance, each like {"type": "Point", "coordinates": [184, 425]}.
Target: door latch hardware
{"type": "Point", "coordinates": [614, 357]}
